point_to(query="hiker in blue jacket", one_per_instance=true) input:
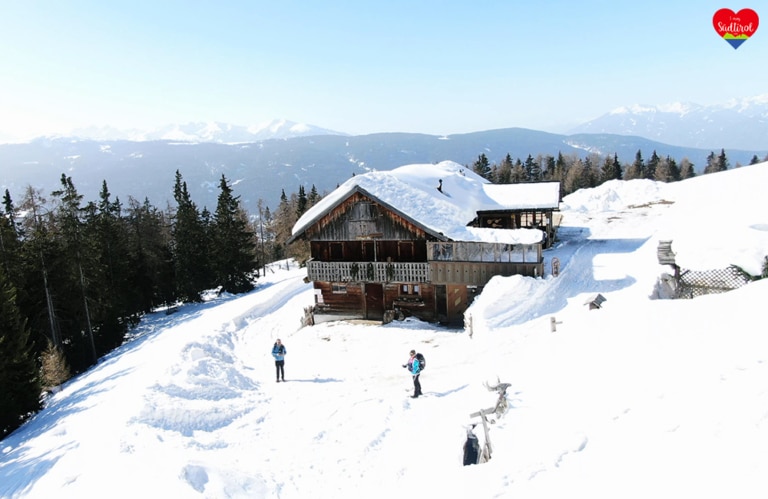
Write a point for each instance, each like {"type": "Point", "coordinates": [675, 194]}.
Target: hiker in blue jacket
{"type": "Point", "coordinates": [278, 352]}
{"type": "Point", "coordinates": [415, 369]}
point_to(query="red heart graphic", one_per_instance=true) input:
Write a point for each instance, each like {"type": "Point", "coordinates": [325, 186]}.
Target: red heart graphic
{"type": "Point", "coordinates": [735, 27]}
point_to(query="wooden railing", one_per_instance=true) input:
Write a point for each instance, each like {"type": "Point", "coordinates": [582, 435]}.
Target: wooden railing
{"type": "Point", "coordinates": [368, 271]}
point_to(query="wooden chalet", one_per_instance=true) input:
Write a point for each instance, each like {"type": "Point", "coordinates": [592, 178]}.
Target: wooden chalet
{"type": "Point", "coordinates": [421, 240]}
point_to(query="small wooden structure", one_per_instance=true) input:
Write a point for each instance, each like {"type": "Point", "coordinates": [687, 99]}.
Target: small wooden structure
{"type": "Point", "coordinates": [595, 302]}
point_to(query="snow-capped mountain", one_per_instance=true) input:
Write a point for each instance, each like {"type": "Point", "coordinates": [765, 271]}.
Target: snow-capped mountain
{"type": "Point", "coordinates": [736, 124]}
{"type": "Point", "coordinates": [220, 133]}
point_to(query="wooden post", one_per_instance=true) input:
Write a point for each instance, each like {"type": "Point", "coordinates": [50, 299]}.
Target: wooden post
{"type": "Point", "coordinates": [482, 413]}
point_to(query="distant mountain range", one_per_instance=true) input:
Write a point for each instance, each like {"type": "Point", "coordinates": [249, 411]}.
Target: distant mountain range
{"type": "Point", "coordinates": [262, 169]}
{"type": "Point", "coordinates": [219, 133]}
{"type": "Point", "coordinates": [738, 124]}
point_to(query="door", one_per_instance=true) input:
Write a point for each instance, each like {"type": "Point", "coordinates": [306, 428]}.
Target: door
{"type": "Point", "coordinates": [441, 303]}
{"type": "Point", "coordinates": [374, 302]}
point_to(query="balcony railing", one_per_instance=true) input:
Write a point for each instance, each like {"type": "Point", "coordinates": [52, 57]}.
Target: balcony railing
{"type": "Point", "coordinates": [368, 271]}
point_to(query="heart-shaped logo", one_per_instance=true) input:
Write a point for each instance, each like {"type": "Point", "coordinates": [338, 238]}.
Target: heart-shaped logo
{"type": "Point", "coordinates": [735, 27]}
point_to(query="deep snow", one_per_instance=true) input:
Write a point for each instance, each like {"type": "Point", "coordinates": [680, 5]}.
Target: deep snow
{"type": "Point", "coordinates": [641, 398]}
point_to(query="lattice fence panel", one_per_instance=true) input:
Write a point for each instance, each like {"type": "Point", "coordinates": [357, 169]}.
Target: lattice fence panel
{"type": "Point", "coordinates": [705, 282]}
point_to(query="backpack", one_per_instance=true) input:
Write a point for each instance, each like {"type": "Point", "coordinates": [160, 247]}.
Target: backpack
{"type": "Point", "coordinates": [422, 361]}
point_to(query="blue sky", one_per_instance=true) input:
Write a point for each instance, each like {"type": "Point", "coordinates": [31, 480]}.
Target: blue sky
{"type": "Point", "coordinates": [436, 67]}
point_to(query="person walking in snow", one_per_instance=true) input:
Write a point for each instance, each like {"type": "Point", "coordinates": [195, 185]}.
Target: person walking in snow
{"type": "Point", "coordinates": [278, 352]}
{"type": "Point", "coordinates": [414, 368]}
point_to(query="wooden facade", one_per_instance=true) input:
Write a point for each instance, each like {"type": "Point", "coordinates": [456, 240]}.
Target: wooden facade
{"type": "Point", "coordinates": [367, 258]}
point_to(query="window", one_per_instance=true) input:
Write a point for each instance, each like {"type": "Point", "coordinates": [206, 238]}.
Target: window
{"type": "Point", "coordinates": [409, 290]}
{"type": "Point", "coordinates": [339, 288]}
{"type": "Point", "coordinates": [337, 251]}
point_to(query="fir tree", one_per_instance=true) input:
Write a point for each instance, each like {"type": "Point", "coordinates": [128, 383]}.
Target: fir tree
{"type": "Point", "coordinates": [711, 163]}
{"type": "Point", "coordinates": [651, 165]}
{"type": "Point", "coordinates": [77, 261]}
{"type": "Point", "coordinates": [301, 205]}
{"type": "Point", "coordinates": [234, 255]}
{"type": "Point", "coordinates": [19, 381]}
{"type": "Point", "coordinates": [722, 161]}
{"type": "Point", "coordinates": [636, 169]}
{"type": "Point", "coordinates": [755, 160]}
{"type": "Point", "coordinates": [611, 169]}
{"type": "Point", "coordinates": [504, 175]}
{"type": "Point", "coordinates": [518, 172]}
{"type": "Point", "coordinates": [482, 166]}
{"type": "Point", "coordinates": [190, 254]}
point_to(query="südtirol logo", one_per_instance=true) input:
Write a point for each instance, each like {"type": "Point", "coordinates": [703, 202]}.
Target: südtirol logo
{"type": "Point", "coordinates": [735, 27]}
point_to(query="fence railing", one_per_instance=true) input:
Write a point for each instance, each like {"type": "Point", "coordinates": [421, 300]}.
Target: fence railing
{"type": "Point", "coordinates": [368, 271]}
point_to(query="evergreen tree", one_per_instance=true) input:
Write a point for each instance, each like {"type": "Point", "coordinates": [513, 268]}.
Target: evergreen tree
{"type": "Point", "coordinates": [149, 245]}
{"type": "Point", "coordinates": [532, 170]}
{"type": "Point", "coordinates": [755, 160]}
{"type": "Point", "coordinates": [482, 166]}
{"type": "Point", "coordinates": [189, 251]}
{"type": "Point", "coordinates": [722, 161]}
{"type": "Point", "coordinates": [711, 163]}
{"type": "Point", "coordinates": [611, 169]}
{"type": "Point", "coordinates": [549, 171]}
{"type": "Point", "coordinates": [40, 270]}
{"type": "Point", "coordinates": [561, 169]}
{"type": "Point", "coordinates": [19, 381]}
{"type": "Point", "coordinates": [313, 197]}
{"type": "Point", "coordinates": [518, 172]}
{"type": "Point", "coordinates": [78, 264]}
{"type": "Point", "coordinates": [636, 169]}
{"type": "Point", "coordinates": [114, 309]}
{"type": "Point", "coordinates": [10, 242]}
{"type": "Point", "coordinates": [504, 174]}
{"type": "Point", "coordinates": [651, 165]}
{"type": "Point", "coordinates": [284, 219]}
{"type": "Point", "coordinates": [301, 205]}
{"type": "Point", "coordinates": [233, 242]}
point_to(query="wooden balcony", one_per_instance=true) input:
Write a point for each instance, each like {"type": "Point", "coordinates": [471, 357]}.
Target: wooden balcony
{"type": "Point", "coordinates": [368, 271]}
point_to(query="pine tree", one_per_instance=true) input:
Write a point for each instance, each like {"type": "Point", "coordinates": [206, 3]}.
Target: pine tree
{"type": "Point", "coordinates": [149, 245]}
{"type": "Point", "coordinates": [233, 242]}
{"type": "Point", "coordinates": [301, 205]}
{"type": "Point", "coordinates": [611, 169]}
{"type": "Point", "coordinates": [313, 197]}
{"type": "Point", "coordinates": [19, 381]}
{"type": "Point", "coordinates": [532, 170]}
{"type": "Point", "coordinates": [504, 174]}
{"type": "Point", "coordinates": [755, 160]}
{"type": "Point", "coordinates": [189, 251]}
{"type": "Point", "coordinates": [651, 165]}
{"type": "Point", "coordinates": [518, 172]}
{"type": "Point", "coordinates": [78, 265]}
{"type": "Point", "coordinates": [284, 219]}
{"type": "Point", "coordinates": [113, 309]}
{"type": "Point", "coordinates": [637, 169]}
{"type": "Point", "coordinates": [10, 242]}
{"type": "Point", "coordinates": [711, 163]}
{"type": "Point", "coordinates": [482, 166]}
{"type": "Point", "coordinates": [722, 161]}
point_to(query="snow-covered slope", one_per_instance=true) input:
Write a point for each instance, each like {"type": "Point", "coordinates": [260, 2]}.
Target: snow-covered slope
{"type": "Point", "coordinates": [641, 398]}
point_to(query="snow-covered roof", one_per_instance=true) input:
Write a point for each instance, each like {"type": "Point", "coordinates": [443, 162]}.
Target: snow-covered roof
{"type": "Point", "coordinates": [413, 191]}
{"type": "Point", "coordinates": [538, 196]}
